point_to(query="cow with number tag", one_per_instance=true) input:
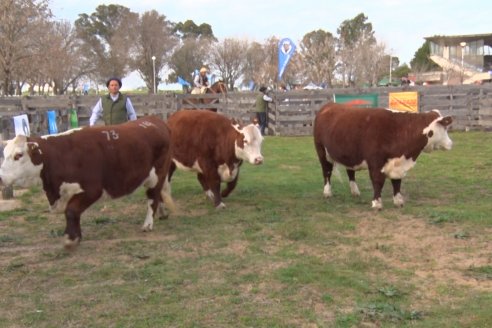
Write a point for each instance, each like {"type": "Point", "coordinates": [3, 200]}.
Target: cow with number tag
{"type": "Point", "coordinates": [77, 167]}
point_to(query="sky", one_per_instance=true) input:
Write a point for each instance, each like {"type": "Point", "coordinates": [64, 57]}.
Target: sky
{"type": "Point", "coordinates": [399, 24]}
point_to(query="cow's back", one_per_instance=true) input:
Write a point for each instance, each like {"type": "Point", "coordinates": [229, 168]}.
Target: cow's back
{"type": "Point", "coordinates": [201, 134]}
{"type": "Point", "coordinates": [351, 135]}
{"type": "Point", "coordinates": [117, 157]}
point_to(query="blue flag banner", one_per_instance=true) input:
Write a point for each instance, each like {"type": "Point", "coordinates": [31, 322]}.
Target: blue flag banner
{"type": "Point", "coordinates": [286, 49]}
{"type": "Point", "coordinates": [52, 128]}
{"type": "Point", "coordinates": [183, 81]}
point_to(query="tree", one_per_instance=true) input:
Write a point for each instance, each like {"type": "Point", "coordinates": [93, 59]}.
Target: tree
{"type": "Point", "coordinates": [228, 58]}
{"type": "Point", "coordinates": [61, 65]}
{"type": "Point", "coordinates": [154, 38]}
{"type": "Point", "coordinates": [190, 55]}
{"type": "Point", "coordinates": [421, 61]}
{"type": "Point", "coordinates": [318, 55]}
{"type": "Point", "coordinates": [21, 25]}
{"type": "Point", "coordinates": [356, 40]}
{"type": "Point", "coordinates": [190, 29]}
{"type": "Point", "coordinates": [107, 36]}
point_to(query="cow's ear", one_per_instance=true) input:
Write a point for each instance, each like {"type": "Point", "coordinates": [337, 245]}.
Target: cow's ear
{"type": "Point", "coordinates": [237, 123]}
{"type": "Point", "coordinates": [34, 152]}
{"type": "Point", "coordinates": [20, 139]}
{"type": "Point", "coordinates": [446, 121]}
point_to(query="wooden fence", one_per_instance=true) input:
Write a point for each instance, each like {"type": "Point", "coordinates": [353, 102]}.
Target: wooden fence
{"type": "Point", "coordinates": [291, 113]}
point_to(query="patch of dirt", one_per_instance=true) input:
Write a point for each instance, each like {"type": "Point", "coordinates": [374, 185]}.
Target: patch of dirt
{"type": "Point", "coordinates": [433, 252]}
{"type": "Point", "coordinates": [9, 204]}
{"type": "Point", "coordinates": [434, 255]}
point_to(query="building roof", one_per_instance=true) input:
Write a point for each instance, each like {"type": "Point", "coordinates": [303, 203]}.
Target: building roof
{"type": "Point", "coordinates": [456, 39]}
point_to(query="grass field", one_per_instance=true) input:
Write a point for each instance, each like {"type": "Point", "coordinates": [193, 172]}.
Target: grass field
{"type": "Point", "coordinates": [279, 255]}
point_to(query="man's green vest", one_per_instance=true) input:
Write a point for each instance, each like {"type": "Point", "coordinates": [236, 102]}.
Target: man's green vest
{"type": "Point", "coordinates": [114, 112]}
{"type": "Point", "coordinates": [261, 104]}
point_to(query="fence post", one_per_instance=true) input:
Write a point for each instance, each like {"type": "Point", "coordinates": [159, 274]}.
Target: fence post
{"type": "Point", "coordinates": [7, 191]}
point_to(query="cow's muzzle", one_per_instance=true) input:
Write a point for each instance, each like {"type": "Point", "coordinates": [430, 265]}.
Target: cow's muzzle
{"type": "Point", "coordinates": [258, 160]}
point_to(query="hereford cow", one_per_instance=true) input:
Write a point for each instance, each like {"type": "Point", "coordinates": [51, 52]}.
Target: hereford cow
{"type": "Point", "coordinates": [78, 166]}
{"type": "Point", "coordinates": [384, 141]}
{"type": "Point", "coordinates": [214, 147]}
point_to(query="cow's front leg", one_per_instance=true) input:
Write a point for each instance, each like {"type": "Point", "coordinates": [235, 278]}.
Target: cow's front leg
{"type": "Point", "coordinates": [213, 183]}
{"type": "Point", "coordinates": [354, 189]}
{"type": "Point", "coordinates": [230, 186]}
{"type": "Point", "coordinates": [73, 233]}
{"type": "Point", "coordinates": [206, 188]}
{"type": "Point", "coordinates": [397, 197]}
{"type": "Point", "coordinates": [377, 179]}
{"type": "Point", "coordinates": [75, 207]}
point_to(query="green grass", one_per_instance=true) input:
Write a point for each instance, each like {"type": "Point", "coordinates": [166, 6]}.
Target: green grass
{"type": "Point", "coordinates": [279, 255]}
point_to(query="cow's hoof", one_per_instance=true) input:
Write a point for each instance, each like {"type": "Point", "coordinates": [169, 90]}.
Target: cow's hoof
{"type": "Point", "coordinates": [70, 244]}
{"type": "Point", "coordinates": [327, 191]}
{"type": "Point", "coordinates": [147, 228]}
{"type": "Point", "coordinates": [398, 200]}
{"type": "Point", "coordinates": [220, 206]}
{"type": "Point", "coordinates": [377, 204]}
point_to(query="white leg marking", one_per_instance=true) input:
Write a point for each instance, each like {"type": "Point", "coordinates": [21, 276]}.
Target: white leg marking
{"type": "Point", "coordinates": [327, 190]}
{"type": "Point", "coordinates": [354, 189]}
{"type": "Point", "coordinates": [220, 206]}
{"type": "Point", "coordinates": [70, 244]}
{"type": "Point", "coordinates": [210, 194]}
{"type": "Point", "coordinates": [398, 200]}
{"type": "Point", "coordinates": [149, 219]}
{"type": "Point", "coordinates": [377, 204]}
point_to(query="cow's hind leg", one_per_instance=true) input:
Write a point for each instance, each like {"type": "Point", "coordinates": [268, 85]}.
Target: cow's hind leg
{"type": "Point", "coordinates": [75, 207]}
{"type": "Point", "coordinates": [354, 189]}
{"type": "Point", "coordinates": [397, 197]}
{"type": "Point", "coordinates": [377, 179]}
{"type": "Point", "coordinates": [326, 169]}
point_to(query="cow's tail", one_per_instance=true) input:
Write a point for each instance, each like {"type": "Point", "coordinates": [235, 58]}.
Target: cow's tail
{"type": "Point", "coordinates": [166, 196]}
{"type": "Point", "coordinates": [336, 172]}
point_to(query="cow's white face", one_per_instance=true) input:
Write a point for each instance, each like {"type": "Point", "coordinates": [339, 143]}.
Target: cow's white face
{"type": "Point", "coordinates": [17, 167]}
{"type": "Point", "coordinates": [437, 134]}
{"type": "Point", "coordinates": [251, 148]}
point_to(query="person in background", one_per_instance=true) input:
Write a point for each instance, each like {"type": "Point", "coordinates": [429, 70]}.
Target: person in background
{"type": "Point", "coordinates": [115, 107]}
{"type": "Point", "coordinates": [261, 108]}
{"type": "Point", "coordinates": [200, 82]}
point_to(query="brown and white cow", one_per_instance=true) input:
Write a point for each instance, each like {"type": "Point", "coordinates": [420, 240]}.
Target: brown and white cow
{"type": "Point", "coordinates": [215, 147]}
{"type": "Point", "coordinates": [385, 142]}
{"type": "Point", "coordinates": [78, 166]}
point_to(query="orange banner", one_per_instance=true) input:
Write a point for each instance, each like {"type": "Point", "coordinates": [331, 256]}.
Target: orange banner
{"type": "Point", "coordinates": [404, 101]}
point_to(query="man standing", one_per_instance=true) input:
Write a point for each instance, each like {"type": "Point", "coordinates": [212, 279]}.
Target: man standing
{"type": "Point", "coordinates": [262, 109]}
{"type": "Point", "coordinates": [114, 108]}
{"type": "Point", "coordinates": [200, 82]}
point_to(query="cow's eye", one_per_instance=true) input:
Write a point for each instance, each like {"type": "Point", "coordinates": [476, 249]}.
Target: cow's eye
{"type": "Point", "coordinates": [17, 156]}
{"type": "Point", "coordinates": [245, 141]}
